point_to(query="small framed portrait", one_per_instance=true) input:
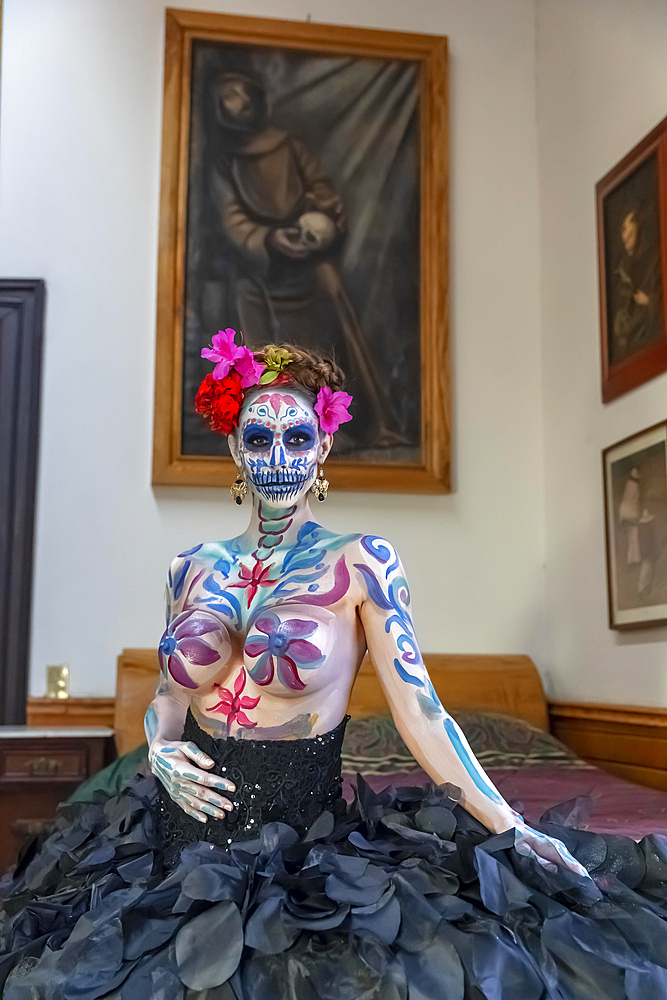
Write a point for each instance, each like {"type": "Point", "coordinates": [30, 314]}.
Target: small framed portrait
{"type": "Point", "coordinates": [304, 201]}
{"type": "Point", "coordinates": [632, 266]}
{"type": "Point", "coordinates": [635, 489]}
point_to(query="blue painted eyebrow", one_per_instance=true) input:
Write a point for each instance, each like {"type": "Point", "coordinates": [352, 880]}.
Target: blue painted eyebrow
{"type": "Point", "coordinates": [304, 429]}
{"type": "Point", "coordinates": [250, 430]}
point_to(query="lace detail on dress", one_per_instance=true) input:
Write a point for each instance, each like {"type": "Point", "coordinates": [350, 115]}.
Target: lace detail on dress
{"type": "Point", "coordinates": [292, 781]}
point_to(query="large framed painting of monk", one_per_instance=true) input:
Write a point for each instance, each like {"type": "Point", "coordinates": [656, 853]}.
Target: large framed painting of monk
{"type": "Point", "coordinates": [632, 266]}
{"type": "Point", "coordinates": [304, 200]}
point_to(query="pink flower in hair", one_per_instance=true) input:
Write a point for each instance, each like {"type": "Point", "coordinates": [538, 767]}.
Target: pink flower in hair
{"type": "Point", "coordinates": [249, 369]}
{"type": "Point", "coordinates": [331, 408]}
{"type": "Point", "coordinates": [224, 351]}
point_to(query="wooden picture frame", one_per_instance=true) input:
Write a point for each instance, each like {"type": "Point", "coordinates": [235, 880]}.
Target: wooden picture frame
{"type": "Point", "coordinates": [634, 475]}
{"type": "Point", "coordinates": [428, 470]}
{"type": "Point", "coordinates": [633, 319]}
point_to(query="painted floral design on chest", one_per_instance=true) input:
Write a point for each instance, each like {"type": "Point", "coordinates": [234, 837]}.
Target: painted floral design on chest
{"type": "Point", "coordinates": [182, 640]}
{"type": "Point", "coordinates": [271, 534]}
{"type": "Point", "coordinates": [282, 650]}
{"type": "Point", "coordinates": [234, 706]}
{"type": "Point", "coordinates": [295, 577]}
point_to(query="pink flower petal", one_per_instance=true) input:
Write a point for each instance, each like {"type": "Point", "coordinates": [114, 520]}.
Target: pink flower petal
{"type": "Point", "coordinates": [247, 702]}
{"type": "Point", "coordinates": [239, 683]}
{"type": "Point", "coordinates": [294, 627]}
{"type": "Point", "coordinates": [331, 408]}
{"type": "Point", "coordinates": [179, 673]}
{"type": "Point", "coordinates": [222, 707]}
{"type": "Point", "coordinates": [249, 369]}
{"type": "Point", "coordinates": [196, 651]}
{"type": "Point", "coordinates": [222, 369]}
{"type": "Point", "coordinates": [267, 624]}
{"type": "Point", "coordinates": [262, 671]}
{"type": "Point", "coordinates": [255, 647]}
{"type": "Point", "coordinates": [210, 354]}
{"type": "Point", "coordinates": [304, 651]}
{"type": "Point", "coordinates": [287, 673]}
{"type": "Point", "coordinates": [243, 719]}
{"type": "Point", "coordinates": [224, 344]}
{"type": "Point", "coordinates": [195, 626]}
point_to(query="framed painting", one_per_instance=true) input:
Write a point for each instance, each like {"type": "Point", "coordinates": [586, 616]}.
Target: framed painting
{"type": "Point", "coordinates": [304, 200]}
{"type": "Point", "coordinates": [635, 490]}
{"type": "Point", "coordinates": [632, 266]}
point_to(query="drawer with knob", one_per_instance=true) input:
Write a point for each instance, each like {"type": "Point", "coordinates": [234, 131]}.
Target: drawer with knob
{"type": "Point", "coordinates": [19, 763]}
{"type": "Point", "coordinates": [40, 767]}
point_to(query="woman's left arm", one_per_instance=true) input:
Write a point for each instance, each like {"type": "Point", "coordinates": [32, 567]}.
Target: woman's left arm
{"type": "Point", "coordinates": [430, 733]}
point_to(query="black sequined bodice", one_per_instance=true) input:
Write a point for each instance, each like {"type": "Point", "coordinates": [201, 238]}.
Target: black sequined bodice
{"type": "Point", "coordinates": [288, 780]}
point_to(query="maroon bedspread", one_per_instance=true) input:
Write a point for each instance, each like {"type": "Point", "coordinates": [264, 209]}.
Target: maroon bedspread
{"type": "Point", "coordinates": [617, 806]}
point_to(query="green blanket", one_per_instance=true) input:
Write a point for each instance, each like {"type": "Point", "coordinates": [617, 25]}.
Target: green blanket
{"type": "Point", "coordinates": [111, 779]}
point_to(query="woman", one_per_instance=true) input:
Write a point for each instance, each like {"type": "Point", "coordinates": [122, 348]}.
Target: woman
{"type": "Point", "coordinates": [257, 881]}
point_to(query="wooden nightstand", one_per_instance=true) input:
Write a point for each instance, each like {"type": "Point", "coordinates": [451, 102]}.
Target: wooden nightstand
{"type": "Point", "coordinates": [40, 767]}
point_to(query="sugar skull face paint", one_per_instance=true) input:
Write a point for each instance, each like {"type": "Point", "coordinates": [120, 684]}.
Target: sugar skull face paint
{"type": "Point", "coordinates": [279, 445]}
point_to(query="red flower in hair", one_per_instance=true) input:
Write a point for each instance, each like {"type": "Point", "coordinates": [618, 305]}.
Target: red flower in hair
{"type": "Point", "coordinates": [219, 402]}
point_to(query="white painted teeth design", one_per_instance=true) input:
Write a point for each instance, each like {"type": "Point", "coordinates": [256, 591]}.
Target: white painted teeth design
{"type": "Point", "coordinates": [281, 485]}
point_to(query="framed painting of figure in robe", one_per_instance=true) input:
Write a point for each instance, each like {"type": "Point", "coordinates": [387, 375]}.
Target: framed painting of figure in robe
{"type": "Point", "coordinates": [632, 257]}
{"type": "Point", "coordinates": [304, 201]}
{"type": "Point", "coordinates": [635, 485]}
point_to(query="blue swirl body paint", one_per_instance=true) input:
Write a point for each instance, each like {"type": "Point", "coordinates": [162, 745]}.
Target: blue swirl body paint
{"type": "Point", "coordinates": [464, 757]}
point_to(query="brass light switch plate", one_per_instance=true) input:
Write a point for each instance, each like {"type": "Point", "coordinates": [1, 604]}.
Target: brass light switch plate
{"type": "Point", "coordinates": [57, 681]}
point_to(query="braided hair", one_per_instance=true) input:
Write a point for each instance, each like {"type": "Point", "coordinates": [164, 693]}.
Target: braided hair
{"type": "Point", "coordinates": [308, 369]}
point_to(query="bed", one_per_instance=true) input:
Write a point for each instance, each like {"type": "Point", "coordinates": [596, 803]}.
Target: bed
{"type": "Point", "coordinates": [500, 704]}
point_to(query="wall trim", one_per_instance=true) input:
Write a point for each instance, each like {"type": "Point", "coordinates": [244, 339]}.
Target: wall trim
{"type": "Point", "coordinates": [71, 712]}
{"type": "Point", "coordinates": [627, 740]}
{"type": "Point", "coordinates": [620, 714]}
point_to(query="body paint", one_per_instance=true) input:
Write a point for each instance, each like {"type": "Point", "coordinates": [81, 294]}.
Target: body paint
{"type": "Point", "coordinates": [283, 647]}
{"type": "Point", "coordinates": [234, 705]}
{"type": "Point", "coordinates": [278, 445]}
{"type": "Point", "coordinates": [300, 727]}
{"type": "Point", "coordinates": [182, 644]}
{"type": "Point", "coordinates": [392, 596]}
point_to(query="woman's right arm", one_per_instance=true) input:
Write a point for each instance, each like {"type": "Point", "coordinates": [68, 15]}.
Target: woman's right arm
{"type": "Point", "coordinates": [177, 763]}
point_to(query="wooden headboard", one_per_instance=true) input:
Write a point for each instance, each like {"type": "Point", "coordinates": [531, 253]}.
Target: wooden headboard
{"type": "Point", "coordinates": [507, 684]}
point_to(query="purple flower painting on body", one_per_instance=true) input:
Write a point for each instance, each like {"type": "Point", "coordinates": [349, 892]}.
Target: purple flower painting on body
{"type": "Point", "coordinates": [232, 705]}
{"type": "Point", "coordinates": [182, 640]}
{"type": "Point", "coordinates": [285, 648]}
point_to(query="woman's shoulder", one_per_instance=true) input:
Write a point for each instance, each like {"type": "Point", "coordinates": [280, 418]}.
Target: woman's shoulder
{"type": "Point", "coordinates": [378, 552]}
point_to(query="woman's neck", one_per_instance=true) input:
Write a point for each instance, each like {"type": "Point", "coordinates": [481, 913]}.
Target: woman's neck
{"type": "Point", "coordinates": [275, 527]}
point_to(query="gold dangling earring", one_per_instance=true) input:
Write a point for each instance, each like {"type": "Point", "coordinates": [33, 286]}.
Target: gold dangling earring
{"type": "Point", "coordinates": [239, 489]}
{"type": "Point", "coordinates": [321, 486]}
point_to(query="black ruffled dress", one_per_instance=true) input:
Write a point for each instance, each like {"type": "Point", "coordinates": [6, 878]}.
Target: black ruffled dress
{"type": "Point", "coordinates": [400, 895]}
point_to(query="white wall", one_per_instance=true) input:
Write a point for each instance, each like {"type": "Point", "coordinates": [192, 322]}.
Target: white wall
{"type": "Point", "coordinates": [79, 174]}
{"type": "Point", "coordinates": [602, 85]}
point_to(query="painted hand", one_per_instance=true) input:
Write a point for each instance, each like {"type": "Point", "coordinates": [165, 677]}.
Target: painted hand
{"type": "Point", "coordinates": [332, 205]}
{"type": "Point", "coordinates": [550, 853]}
{"type": "Point", "coordinates": [171, 761]}
{"type": "Point", "coordinates": [287, 241]}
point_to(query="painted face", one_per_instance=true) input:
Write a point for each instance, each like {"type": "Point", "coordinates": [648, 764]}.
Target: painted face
{"type": "Point", "coordinates": [236, 98]}
{"type": "Point", "coordinates": [279, 445]}
{"type": "Point", "coordinates": [629, 232]}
